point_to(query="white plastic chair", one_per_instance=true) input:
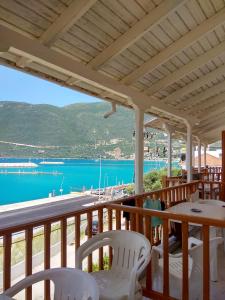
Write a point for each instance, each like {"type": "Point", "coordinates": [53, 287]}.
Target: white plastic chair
{"type": "Point", "coordinates": [195, 268]}
{"type": "Point", "coordinates": [217, 203]}
{"type": "Point", "coordinates": [131, 255]}
{"type": "Point", "coordinates": [70, 284]}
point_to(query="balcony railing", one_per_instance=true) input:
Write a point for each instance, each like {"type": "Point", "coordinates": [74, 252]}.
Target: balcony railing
{"type": "Point", "coordinates": [109, 216]}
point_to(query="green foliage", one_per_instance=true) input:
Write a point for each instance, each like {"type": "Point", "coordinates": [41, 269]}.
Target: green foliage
{"type": "Point", "coordinates": [95, 266]}
{"type": "Point", "coordinates": [78, 130]}
{"type": "Point", "coordinates": [129, 189]}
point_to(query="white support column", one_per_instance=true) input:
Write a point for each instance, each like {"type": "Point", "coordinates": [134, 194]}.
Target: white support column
{"type": "Point", "coordinates": [193, 154]}
{"type": "Point", "coordinates": [199, 156]}
{"type": "Point", "coordinates": [205, 147]}
{"type": "Point", "coordinates": [189, 153]}
{"type": "Point", "coordinates": [169, 168]}
{"type": "Point", "coordinates": [169, 131]}
{"type": "Point", "coordinates": [139, 149]}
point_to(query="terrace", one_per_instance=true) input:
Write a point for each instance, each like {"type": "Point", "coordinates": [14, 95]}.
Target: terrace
{"type": "Point", "coordinates": [164, 58]}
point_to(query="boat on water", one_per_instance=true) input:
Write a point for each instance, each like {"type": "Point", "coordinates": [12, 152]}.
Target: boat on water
{"type": "Point", "coordinates": [18, 165]}
{"type": "Point", "coordinates": [51, 163]}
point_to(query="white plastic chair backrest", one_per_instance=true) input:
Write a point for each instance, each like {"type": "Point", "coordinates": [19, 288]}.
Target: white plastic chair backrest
{"type": "Point", "coordinates": [196, 253]}
{"type": "Point", "coordinates": [195, 196]}
{"type": "Point", "coordinates": [130, 249]}
{"type": "Point", "coordinates": [70, 284]}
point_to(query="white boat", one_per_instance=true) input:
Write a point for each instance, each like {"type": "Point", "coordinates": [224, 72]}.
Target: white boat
{"type": "Point", "coordinates": [51, 163]}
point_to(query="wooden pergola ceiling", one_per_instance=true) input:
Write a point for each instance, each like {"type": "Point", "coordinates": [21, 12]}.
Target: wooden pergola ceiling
{"type": "Point", "coordinates": [168, 57]}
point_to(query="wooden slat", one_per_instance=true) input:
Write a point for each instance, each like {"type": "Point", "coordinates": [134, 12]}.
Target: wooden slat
{"type": "Point", "coordinates": [63, 223]}
{"type": "Point", "coordinates": [100, 228]}
{"type": "Point", "coordinates": [132, 221]}
{"type": "Point", "coordinates": [28, 259]}
{"type": "Point", "coordinates": [206, 266]}
{"type": "Point", "coordinates": [148, 234]}
{"type": "Point", "coordinates": [47, 257]}
{"type": "Point", "coordinates": [89, 222]}
{"type": "Point", "coordinates": [118, 220]}
{"type": "Point", "coordinates": [185, 290]}
{"type": "Point", "coordinates": [77, 231]}
{"type": "Point", "coordinates": [7, 242]}
{"type": "Point", "coordinates": [165, 258]}
{"type": "Point", "coordinates": [110, 213]}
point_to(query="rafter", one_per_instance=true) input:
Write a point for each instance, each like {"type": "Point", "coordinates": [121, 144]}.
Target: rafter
{"type": "Point", "coordinates": [210, 103]}
{"type": "Point", "coordinates": [137, 31]}
{"type": "Point", "coordinates": [213, 125]}
{"type": "Point", "coordinates": [66, 20]}
{"type": "Point", "coordinates": [176, 47]}
{"type": "Point", "coordinates": [195, 84]}
{"type": "Point", "coordinates": [209, 121]}
{"type": "Point", "coordinates": [186, 69]}
{"type": "Point", "coordinates": [214, 90]}
{"type": "Point", "coordinates": [213, 113]}
{"type": "Point", "coordinates": [34, 50]}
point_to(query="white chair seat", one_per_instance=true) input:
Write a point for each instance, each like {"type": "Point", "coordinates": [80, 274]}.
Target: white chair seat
{"type": "Point", "coordinates": [113, 286]}
{"type": "Point", "coordinates": [175, 266]}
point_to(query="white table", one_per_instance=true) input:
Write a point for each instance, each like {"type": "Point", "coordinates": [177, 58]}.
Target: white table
{"type": "Point", "coordinates": [217, 213]}
{"type": "Point", "coordinates": [3, 297]}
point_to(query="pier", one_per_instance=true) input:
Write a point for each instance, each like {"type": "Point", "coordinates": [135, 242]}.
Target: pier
{"type": "Point", "coordinates": [30, 172]}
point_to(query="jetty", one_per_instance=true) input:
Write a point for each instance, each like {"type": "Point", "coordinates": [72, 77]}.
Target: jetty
{"type": "Point", "coordinates": [30, 172]}
{"type": "Point", "coordinates": [18, 165]}
{"type": "Point", "coordinates": [51, 163]}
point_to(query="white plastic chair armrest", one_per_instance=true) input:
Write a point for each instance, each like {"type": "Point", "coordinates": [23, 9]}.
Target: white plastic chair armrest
{"type": "Point", "coordinates": [157, 249]}
{"type": "Point", "coordinates": [193, 241]}
{"type": "Point", "coordinates": [87, 248]}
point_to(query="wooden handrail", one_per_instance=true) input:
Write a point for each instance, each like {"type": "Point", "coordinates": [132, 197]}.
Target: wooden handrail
{"type": "Point", "coordinates": [140, 220]}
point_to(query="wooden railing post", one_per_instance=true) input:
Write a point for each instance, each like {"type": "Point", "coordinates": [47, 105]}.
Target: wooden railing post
{"type": "Point", "coordinates": [185, 290]}
{"type": "Point", "coordinates": [47, 257]}
{"type": "Point", "coordinates": [7, 243]}
{"type": "Point", "coordinates": [206, 265]}
{"type": "Point", "coordinates": [28, 260]}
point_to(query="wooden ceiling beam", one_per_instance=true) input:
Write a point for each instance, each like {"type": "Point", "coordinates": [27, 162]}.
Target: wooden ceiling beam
{"type": "Point", "coordinates": [194, 85]}
{"type": "Point", "coordinates": [186, 69]}
{"type": "Point", "coordinates": [66, 20]}
{"type": "Point", "coordinates": [219, 122]}
{"type": "Point", "coordinates": [213, 112]}
{"type": "Point", "coordinates": [39, 53]}
{"type": "Point", "coordinates": [136, 32]}
{"type": "Point", "coordinates": [210, 103]}
{"type": "Point", "coordinates": [179, 45]}
{"type": "Point", "coordinates": [208, 121]}
{"type": "Point", "coordinates": [214, 90]}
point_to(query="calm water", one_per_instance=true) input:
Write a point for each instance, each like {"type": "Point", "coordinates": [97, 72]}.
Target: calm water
{"type": "Point", "coordinates": [74, 176]}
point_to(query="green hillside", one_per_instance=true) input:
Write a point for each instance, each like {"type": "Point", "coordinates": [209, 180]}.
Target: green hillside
{"type": "Point", "coordinates": [77, 130]}
{"type": "Point", "coordinates": [69, 125]}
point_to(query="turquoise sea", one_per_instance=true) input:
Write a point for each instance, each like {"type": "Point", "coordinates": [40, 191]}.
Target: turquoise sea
{"type": "Point", "coordinates": [73, 175]}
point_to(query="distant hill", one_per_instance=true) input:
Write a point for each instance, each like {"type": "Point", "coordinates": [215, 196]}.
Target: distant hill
{"type": "Point", "coordinates": [69, 125]}
{"type": "Point", "coordinates": [79, 130]}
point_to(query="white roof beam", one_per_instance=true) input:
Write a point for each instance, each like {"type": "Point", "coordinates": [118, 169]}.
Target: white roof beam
{"type": "Point", "coordinates": [196, 84]}
{"type": "Point", "coordinates": [34, 50]}
{"type": "Point", "coordinates": [210, 103]}
{"type": "Point", "coordinates": [209, 121]}
{"type": "Point", "coordinates": [136, 32]}
{"type": "Point", "coordinates": [66, 20]}
{"type": "Point", "coordinates": [181, 44]}
{"type": "Point", "coordinates": [214, 90]}
{"type": "Point", "coordinates": [213, 112]}
{"type": "Point", "coordinates": [213, 125]}
{"type": "Point", "coordinates": [187, 69]}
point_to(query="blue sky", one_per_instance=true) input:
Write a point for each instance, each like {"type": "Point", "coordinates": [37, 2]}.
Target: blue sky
{"type": "Point", "coordinates": [21, 87]}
